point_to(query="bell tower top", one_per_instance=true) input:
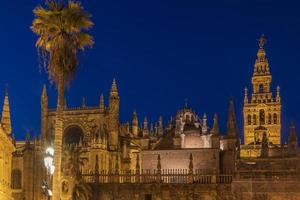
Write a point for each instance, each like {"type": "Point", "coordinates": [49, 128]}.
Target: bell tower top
{"type": "Point", "coordinates": [262, 114]}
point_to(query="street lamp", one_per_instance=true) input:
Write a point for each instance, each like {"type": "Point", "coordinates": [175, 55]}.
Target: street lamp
{"type": "Point", "coordinates": [48, 162]}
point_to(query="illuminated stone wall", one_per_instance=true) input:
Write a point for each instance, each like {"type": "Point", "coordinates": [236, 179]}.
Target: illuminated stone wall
{"type": "Point", "coordinates": [203, 159]}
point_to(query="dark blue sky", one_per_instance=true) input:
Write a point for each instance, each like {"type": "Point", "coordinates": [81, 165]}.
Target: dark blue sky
{"type": "Point", "coordinates": [160, 52]}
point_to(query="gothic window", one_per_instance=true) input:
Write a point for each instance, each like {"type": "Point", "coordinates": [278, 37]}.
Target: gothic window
{"type": "Point", "coordinates": [254, 119]}
{"type": "Point", "coordinates": [270, 118]}
{"type": "Point", "coordinates": [249, 119]}
{"type": "Point", "coordinates": [261, 117]}
{"type": "Point", "coordinates": [261, 88]}
{"type": "Point", "coordinates": [73, 135]}
{"type": "Point", "coordinates": [16, 179]}
{"type": "Point", "coordinates": [275, 118]}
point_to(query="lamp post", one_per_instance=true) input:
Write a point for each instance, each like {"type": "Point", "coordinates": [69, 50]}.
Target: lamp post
{"type": "Point", "coordinates": [48, 162]}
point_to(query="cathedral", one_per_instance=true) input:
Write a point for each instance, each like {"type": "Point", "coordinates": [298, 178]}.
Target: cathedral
{"type": "Point", "coordinates": [184, 158]}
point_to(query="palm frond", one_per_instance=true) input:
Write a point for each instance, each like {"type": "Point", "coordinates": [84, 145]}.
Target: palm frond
{"type": "Point", "coordinates": [61, 34]}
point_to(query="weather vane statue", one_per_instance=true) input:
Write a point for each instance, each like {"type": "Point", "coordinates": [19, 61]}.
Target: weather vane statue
{"type": "Point", "coordinates": [262, 41]}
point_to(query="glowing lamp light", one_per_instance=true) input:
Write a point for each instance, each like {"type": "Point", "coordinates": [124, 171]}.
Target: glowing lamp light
{"type": "Point", "coordinates": [50, 151]}
{"type": "Point", "coordinates": [48, 160]}
{"type": "Point", "coordinates": [52, 169]}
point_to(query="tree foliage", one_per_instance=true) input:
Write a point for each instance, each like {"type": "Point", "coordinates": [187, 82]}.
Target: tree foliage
{"type": "Point", "coordinates": [62, 31]}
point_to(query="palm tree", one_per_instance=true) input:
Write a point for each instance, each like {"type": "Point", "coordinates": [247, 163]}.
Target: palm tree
{"type": "Point", "coordinates": [74, 157]}
{"type": "Point", "coordinates": [61, 30]}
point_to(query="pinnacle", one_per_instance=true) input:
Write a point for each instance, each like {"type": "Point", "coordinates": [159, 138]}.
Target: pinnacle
{"type": "Point", "coordinates": [114, 88]}
{"type": "Point", "coordinates": [5, 119]}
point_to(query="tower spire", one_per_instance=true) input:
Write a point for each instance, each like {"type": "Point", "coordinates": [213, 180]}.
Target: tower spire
{"type": "Point", "coordinates": [114, 88]}
{"type": "Point", "coordinates": [261, 66]}
{"type": "Point", "coordinates": [5, 119]}
{"type": "Point", "coordinates": [215, 129]}
{"type": "Point", "coordinates": [231, 121]}
{"type": "Point", "coordinates": [102, 107]}
{"type": "Point", "coordinates": [246, 100]}
{"type": "Point", "coordinates": [44, 99]}
{"type": "Point", "coordinates": [44, 92]}
{"type": "Point", "coordinates": [135, 124]}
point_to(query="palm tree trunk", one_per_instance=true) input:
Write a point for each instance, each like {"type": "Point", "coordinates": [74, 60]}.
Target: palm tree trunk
{"type": "Point", "coordinates": [58, 138]}
{"type": "Point", "coordinates": [60, 92]}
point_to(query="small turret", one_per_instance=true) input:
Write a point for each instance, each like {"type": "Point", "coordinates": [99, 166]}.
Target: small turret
{"type": "Point", "coordinates": [204, 123]}
{"type": "Point", "coordinates": [135, 124]}
{"type": "Point", "coordinates": [215, 129]}
{"type": "Point", "coordinates": [113, 125]}
{"type": "Point", "coordinates": [83, 103]}
{"type": "Point", "coordinates": [145, 128]}
{"type": "Point", "coordinates": [292, 140]}
{"type": "Point", "coordinates": [44, 98]}
{"type": "Point", "coordinates": [5, 119]}
{"type": "Point", "coordinates": [246, 99]}
{"type": "Point", "coordinates": [278, 99]}
{"type": "Point", "coordinates": [114, 89]}
{"type": "Point", "coordinates": [232, 130]}
{"type": "Point", "coordinates": [44, 110]}
{"type": "Point", "coordinates": [160, 126]}
{"type": "Point", "coordinates": [151, 130]}
{"type": "Point", "coordinates": [102, 106]}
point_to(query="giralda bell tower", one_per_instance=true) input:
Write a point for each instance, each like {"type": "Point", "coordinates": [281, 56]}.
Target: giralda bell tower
{"type": "Point", "coordinates": [262, 114]}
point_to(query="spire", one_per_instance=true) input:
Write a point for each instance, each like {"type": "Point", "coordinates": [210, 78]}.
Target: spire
{"type": "Point", "coordinates": [246, 100]}
{"type": "Point", "coordinates": [160, 126]}
{"type": "Point", "coordinates": [215, 129]}
{"type": "Point", "coordinates": [292, 135]}
{"type": "Point", "coordinates": [44, 93]}
{"type": "Point", "coordinates": [204, 123]}
{"type": "Point", "coordinates": [114, 89]}
{"type": "Point", "coordinates": [261, 66]}
{"type": "Point", "coordinates": [158, 166]}
{"type": "Point", "coordinates": [231, 121]}
{"type": "Point", "coordinates": [5, 119]}
{"type": "Point", "coordinates": [44, 100]}
{"type": "Point", "coordinates": [83, 102]}
{"type": "Point", "coordinates": [135, 119]}
{"type": "Point", "coordinates": [145, 124]}
{"type": "Point", "coordinates": [191, 166]}
{"type": "Point", "coordinates": [135, 124]}
{"type": "Point", "coordinates": [102, 107]}
{"type": "Point", "coordinates": [278, 99]}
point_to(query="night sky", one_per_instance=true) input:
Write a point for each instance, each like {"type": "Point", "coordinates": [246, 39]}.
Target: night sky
{"type": "Point", "coordinates": [160, 53]}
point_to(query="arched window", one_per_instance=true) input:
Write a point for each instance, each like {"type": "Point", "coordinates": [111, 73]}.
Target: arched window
{"type": "Point", "coordinates": [269, 118]}
{"type": "Point", "coordinates": [275, 118]}
{"type": "Point", "coordinates": [254, 119]}
{"type": "Point", "coordinates": [262, 117]}
{"type": "Point", "coordinates": [261, 88]}
{"type": "Point", "coordinates": [16, 177]}
{"type": "Point", "coordinates": [249, 119]}
{"type": "Point", "coordinates": [73, 135]}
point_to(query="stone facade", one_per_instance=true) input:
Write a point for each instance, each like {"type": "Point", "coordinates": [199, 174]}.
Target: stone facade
{"type": "Point", "coordinates": [6, 154]}
{"type": "Point", "coordinates": [186, 158]}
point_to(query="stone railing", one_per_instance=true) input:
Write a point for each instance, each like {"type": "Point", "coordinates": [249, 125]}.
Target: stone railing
{"type": "Point", "coordinates": [175, 176]}
{"type": "Point", "coordinates": [264, 175]}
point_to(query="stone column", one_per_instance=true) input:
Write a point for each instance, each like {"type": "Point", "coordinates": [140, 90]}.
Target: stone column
{"type": "Point", "coordinates": [57, 156]}
{"type": "Point", "coordinates": [191, 170]}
